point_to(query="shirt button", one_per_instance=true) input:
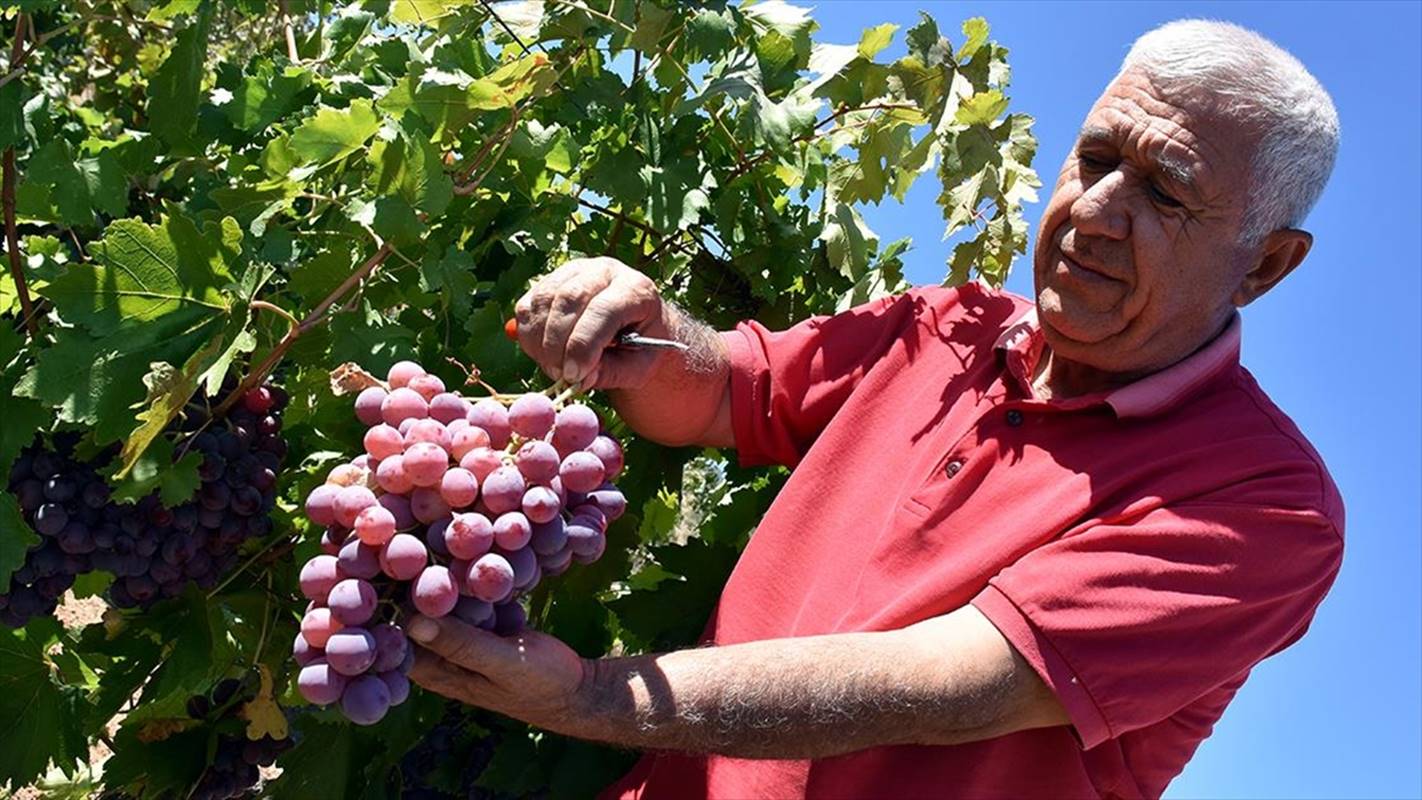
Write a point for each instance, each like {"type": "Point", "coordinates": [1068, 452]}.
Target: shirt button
{"type": "Point", "coordinates": [1014, 417]}
{"type": "Point", "coordinates": [953, 467]}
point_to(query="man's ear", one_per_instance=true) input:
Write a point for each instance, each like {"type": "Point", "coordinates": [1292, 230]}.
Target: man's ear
{"type": "Point", "coordinates": [1280, 252]}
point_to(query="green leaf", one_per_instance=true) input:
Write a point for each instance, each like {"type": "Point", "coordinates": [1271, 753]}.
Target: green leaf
{"type": "Point", "coordinates": [976, 31]}
{"type": "Point", "coordinates": [676, 194]}
{"type": "Point", "coordinates": [154, 469]}
{"type": "Point", "coordinates": [16, 540]}
{"type": "Point", "coordinates": [168, 391]}
{"type": "Point", "coordinates": [199, 650]}
{"type": "Point", "coordinates": [33, 724]}
{"type": "Point", "coordinates": [145, 272]}
{"type": "Point", "coordinates": [424, 12]}
{"type": "Point", "coordinates": [397, 222]}
{"type": "Point", "coordinates": [12, 118]}
{"type": "Point", "coordinates": [334, 133]}
{"type": "Point", "coordinates": [982, 108]}
{"type": "Point", "coordinates": [875, 39]}
{"type": "Point", "coordinates": [174, 92]}
{"type": "Point", "coordinates": [551, 145]}
{"type": "Point", "coordinates": [264, 98]}
{"type": "Point", "coordinates": [62, 188]}
{"type": "Point", "coordinates": [410, 168]}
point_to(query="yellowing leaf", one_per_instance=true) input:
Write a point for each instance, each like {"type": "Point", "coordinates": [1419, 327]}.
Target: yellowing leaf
{"type": "Point", "coordinates": [264, 717]}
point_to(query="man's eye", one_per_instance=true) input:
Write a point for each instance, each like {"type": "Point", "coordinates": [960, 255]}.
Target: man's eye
{"type": "Point", "coordinates": [1164, 199]}
{"type": "Point", "coordinates": [1091, 164]}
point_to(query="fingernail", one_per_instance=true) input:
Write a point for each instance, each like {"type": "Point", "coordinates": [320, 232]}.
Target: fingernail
{"type": "Point", "coordinates": [423, 630]}
{"type": "Point", "coordinates": [570, 371]}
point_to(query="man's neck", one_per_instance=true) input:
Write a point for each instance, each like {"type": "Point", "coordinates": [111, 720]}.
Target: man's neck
{"type": "Point", "coordinates": [1060, 379]}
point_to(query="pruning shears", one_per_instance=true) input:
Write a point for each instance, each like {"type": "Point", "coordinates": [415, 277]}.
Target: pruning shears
{"type": "Point", "coordinates": [629, 339]}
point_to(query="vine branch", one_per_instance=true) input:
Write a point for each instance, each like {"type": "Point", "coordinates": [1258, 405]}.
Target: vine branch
{"type": "Point", "coordinates": [290, 31]}
{"type": "Point", "coordinates": [7, 198]}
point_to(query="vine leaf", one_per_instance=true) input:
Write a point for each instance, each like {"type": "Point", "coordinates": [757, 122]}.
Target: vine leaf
{"type": "Point", "coordinates": [17, 538]}
{"type": "Point", "coordinates": [423, 12]}
{"type": "Point", "coordinates": [334, 133]}
{"type": "Point", "coordinates": [59, 187]}
{"type": "Point", "coordinates": [168, 391]}
{"type": "Point", "coordinates": [156, 469]}
{"type": "Point", "coordinates": [264, 717]}
{"type": "Point", "coordinates": [33, 722]}
{"type": "Point", "coordinates": [175, 90]}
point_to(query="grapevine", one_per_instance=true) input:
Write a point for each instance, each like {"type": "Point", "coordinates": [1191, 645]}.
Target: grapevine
{"type": "Point", "coordinates": [207, 204]}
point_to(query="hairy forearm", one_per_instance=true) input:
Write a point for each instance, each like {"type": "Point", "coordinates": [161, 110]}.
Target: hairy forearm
{"type": "Point", "coordinates": [796, 698]}
{"type": "Point", "coordinates": [679, 402]}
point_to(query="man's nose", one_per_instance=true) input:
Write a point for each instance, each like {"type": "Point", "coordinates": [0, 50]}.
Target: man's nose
{"type": "Point", "coordinates": [1101, 208]}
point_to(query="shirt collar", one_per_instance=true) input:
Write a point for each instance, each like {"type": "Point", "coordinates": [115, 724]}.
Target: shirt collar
{"type": "Point", "coordinates": [1022, 343]}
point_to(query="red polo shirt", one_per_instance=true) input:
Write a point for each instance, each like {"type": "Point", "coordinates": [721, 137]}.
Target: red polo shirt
{"type": "Point", "coordinates": [1143, 548]}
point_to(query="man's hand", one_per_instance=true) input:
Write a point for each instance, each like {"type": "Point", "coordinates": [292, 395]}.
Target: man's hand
{"type": "Point", "coordinates": [571, 315]}
{"type": "Point", "coordinates": [532, 676]}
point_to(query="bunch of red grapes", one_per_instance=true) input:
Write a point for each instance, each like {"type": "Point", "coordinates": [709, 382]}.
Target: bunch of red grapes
{"type": "Point", "coordinates": [456, 507]}
{"type": "Point", "coordinates": [236, 759]}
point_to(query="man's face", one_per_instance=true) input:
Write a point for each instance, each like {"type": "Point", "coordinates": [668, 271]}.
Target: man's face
{"type": "Point", "coordinates": [1138, 252]}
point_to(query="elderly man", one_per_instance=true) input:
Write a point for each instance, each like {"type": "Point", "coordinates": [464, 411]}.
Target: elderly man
{"type": "Point", "coordinates": [1027, 550]}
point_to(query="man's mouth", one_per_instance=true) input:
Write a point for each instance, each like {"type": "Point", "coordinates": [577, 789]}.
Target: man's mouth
{"type": "Point", "coordinates": [1085, 272]}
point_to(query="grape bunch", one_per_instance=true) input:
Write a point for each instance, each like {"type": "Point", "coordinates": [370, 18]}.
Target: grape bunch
{"type": "Point", "coordinates": [456, 507]}
{"type": "Point", "coordinates": [235, 762]}
{"type": "Point", "coordinates": [153, 551]}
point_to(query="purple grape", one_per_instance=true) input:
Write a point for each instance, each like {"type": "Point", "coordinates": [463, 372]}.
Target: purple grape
{"type": "Point", "coordinates": [352, 601]}
{"type": "Point", "coordinates": [512, 530]}
{"type": "Point", "coordinates": [404, 557]}
{"type": "Point", "coordinates": [509, 618]}
{"type": "Point", "coordinates": [50, 519]}
{"type": "Point", "coordinates": [319, 683]}
{"type": "Point", "coordinates": [469, 536]}
{"type": "Point", "coordinates": [302, 652]}
{"type": "Point", "coordinates": [402, 372]}
{"type": "Point", "coordinates": [503, 490]}
{"type": "Point", "coordinates": [609, 500]}
{"type": "Point", "coordinates": [365, 700]}
{"type": "Point", "coordinates": [494, 419]}
{"type": "Point", "coordinates": [368, 403]}
{"type": "Point", "coordinates": [609, 452]}
{"type": "Point", "coordinates": [398, 684]}
{"type": "Point", "coordinates": [541, 504]}
{"type": "Point", "coordinates": [448, 407]}
{"type": "Point", "coordinates": [351, 651]}
{"type": "Point", "coordinates": [359, 560]}
{"type": "Point", "coordinates": [399, 506]}
{"type": "Point", "coordinates": [581, 472]}
{"type": "Point", "coordinates": [403, 404]}
{"type": "Point", "coordinates": [549, 537]}
{"type": "Point", "coordinates": [390, 647]}
{"type": "Point", "coordinates": [473, 611]}
{"type": "Point", "coordinates": [532, 415]}
{"type": "Point", "coordinates": [318, 577]}
{"type": "Point", "coordinates": [575, 428]}
{"type": "Point", "coordinates": [525, 566]}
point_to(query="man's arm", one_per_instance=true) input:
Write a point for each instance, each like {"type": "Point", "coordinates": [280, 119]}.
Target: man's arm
{"type": "Point", "coordinates": [946, 680]}
{"type": "Point", "coordinates": [567, 320]}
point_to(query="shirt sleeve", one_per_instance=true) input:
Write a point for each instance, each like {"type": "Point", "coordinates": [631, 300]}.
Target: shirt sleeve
{"type": "Point", "coordinates": [787, 385]}
{"type": "Point", "coordinates": [1129, 623]}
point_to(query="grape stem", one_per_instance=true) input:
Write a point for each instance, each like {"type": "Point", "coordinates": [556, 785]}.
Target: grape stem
{"type": "Point", "coordinates": [311, 320]}
{"type": "Point", "coordinates": [290, 31]}
{"type": "Point", "coordinates": [7, 192]}
{"type": "Point", "coordinates": [278, 310]}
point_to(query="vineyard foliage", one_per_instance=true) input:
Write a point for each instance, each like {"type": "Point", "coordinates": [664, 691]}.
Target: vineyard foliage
{"type": "Point", "coordinates": [201, 188]}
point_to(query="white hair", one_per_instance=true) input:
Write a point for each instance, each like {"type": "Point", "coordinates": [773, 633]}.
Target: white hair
{"type": "Point", "coordinates": [1260, 84]}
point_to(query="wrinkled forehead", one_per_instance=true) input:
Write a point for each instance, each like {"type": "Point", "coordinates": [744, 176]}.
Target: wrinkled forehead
{"type": "Point", "coordinates": [1183, 132]}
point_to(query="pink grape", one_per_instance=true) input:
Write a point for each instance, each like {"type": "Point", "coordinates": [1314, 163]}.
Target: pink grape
{"type": "Point", "coordinates": [512, 531]}
{"type": "Point", "coordinates": [346, 475]}
{"type": "Point", "coordinates": [359, 560]}
{"type": "Point", "coordinates": [318, 625]}
{"type": "Point", "coordinates": [403, 557]}
{"type": "Point", "coordinates": [466, 438]}
{"type": "Point", "coordinates": [469, 535]}
{"type": "Point", "coordinates": [351, 651]}
{"type": "Point", "coordinates": [331, 539]}
{"type": "Point", "coordinates": [365, 700]}
{"type": "Point", "coordinates": [399, 505]}
{"type": "Point", "coordinates": [494, 419]}
{"type": "Point", "coordinates": [403, 404]}
{"type": "Point", "coordinates": [427, 430]}
{"type": "Point", "coordinates": [319, 576]}
{"type": "Point", "coordinates": [532, 415]}
{"type": "Point", "coordinates": [390, 646]}
{"type": "Point", "coordinates": [303, 652]}
{"type": "Point", "coordinates": [363, 462]}
{"type": "Point", "coordinates": [524, 563]}
{"type": "Point", "coordinates": [350, 502]}
{"type": "Point", "coordinates": [503, 490]}
{"type": "Point", "coordinates": [540, 504]}
{"type": "Point", "coordinates": [401, 373]}
{"type": "Point", "coordinates": [321, 504]}
{"type": "Point", "coordinates": [538, 461]}
{"type": "Point", "coordinates": [509, 618]}
{"type": "Point", "coordinates": [593, 552]}
{"type": "Point", "coordinates": [319, 683]}
{"type": "Point", "coordinates": [427, 505]}
{"type": "Point", "coordinates": [390, 474]}
{"type": "Point", "coordinates": [490, 578]}
{"type": "Point", "coordinates": [473, 611]}
{"type": "Point", "coordinates": [398, 684]}
{"type": "Point", "coordinates": [557, 563]}
{"type": "Point", "coordinates": [429, 386]}
{"type": "Point", "coordinates": [455, 426]}
{"type": "Point", "coordinates": [608, 500]}
{"type": "Point", "coordinates": [592, 516]}
{"type": "Point", "coordinates": [609, 452]}
{"type": "Point", "coordinates": [582, 537]}
{"type": "Point", "coordinates": [557, 486]}
{"type": "Point", "coordinates": [448, 407]}
{"type": "Point", "coordinates": [575, 428]}
{"type": "Point", "coordinates": [367, 405]}
{"type": "Point", "coordinates": [405, 425]}
{"type": "Point", "coordinates": [383, 441]}
{"type": "Point", "coordinates": [581, 471]}
{"type": "Point", "coordinates": [549, 537]}
{"type": "Point", "coordinates": [481, 461]}
{"type": "Point", "coordinates": [425, 464]}
{"type": "Point", "coordinates": [352, 601]}
{"type": "Point", "coordinates": [375, 525]}
{"type": "Point", "coordinates": [435, 592]}
{"type": "Point", "coordinates": [459, 487]}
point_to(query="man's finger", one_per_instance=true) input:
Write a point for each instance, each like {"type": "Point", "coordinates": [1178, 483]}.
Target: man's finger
{"type": "Point", "coordinates": [465, 645]}
{"type": "Point", "coordinates": [444, 677]}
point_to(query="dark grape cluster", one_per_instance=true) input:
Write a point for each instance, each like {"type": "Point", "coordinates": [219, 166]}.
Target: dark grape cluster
{"type": "Point", "coordinates": [152, 550]}
{"type": "Point", "coordinates": [456, 507]}
{"type": "Point", "coordinates": [452, 742]}
{"type": "Point", "coordinates": [234, 769]}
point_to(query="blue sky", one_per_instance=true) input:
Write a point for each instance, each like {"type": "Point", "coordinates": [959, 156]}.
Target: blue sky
{"type": "Point", "coordinates": [1336, 346]}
